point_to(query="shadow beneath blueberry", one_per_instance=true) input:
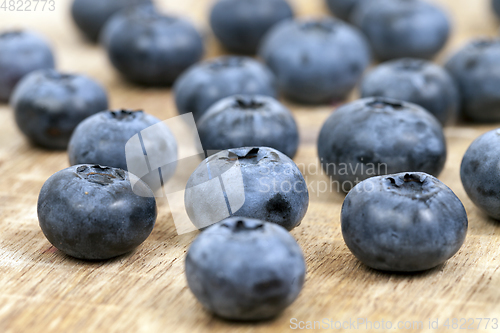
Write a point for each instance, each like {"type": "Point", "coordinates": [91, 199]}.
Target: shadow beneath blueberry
{"type": "Point", "coordinates": [63, 258]}
{"type": "Point", "coordinates": [238, 322]}
{"type": "Point", "coordinates": [490, 220]}
{"type": "Point", "coordinates": [401, 275]}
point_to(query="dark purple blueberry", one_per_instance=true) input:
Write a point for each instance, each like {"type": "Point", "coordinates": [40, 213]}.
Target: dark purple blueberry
{"type": "Point", "coordinates": [403, 28]}
{"type": "Point", "coordinates": [475, 68]}
{"type": "Point", "coordinates": [245, 269]}
{"type": "Point", "coordinates": [480, 173]}
{"type": "Point", "coordinates": [21, 52]}
{"type": "Point", "coordinates": [208, 82]}
{"type": "Point", "coordinates": [150, 48]}
{"type": "Point", "coordinates": [91, 211]}
{"type": "Point", "coordinates": [416, 81]}
{"type": "Point", "coordinates": [378, 136]}
{"type": "Point", "coordinates": [249, 120]}
{"type": "Point", "coordinates": [91, 15]}
{"type": "Point", "coordinates": [254, 182]}
{"type": "Point", "coordinates": [101, 139]}
{"type": "Point", "coordinates": [403, 222]}
{"type": "Point", "coordinates": [48, 105]}
{"type": "Point", "coordinates": [240, 24]}
{"type": "Point", "coordinates": [315, 60]}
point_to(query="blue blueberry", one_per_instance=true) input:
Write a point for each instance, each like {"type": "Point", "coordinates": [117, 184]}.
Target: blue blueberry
{"type": "Point", "coordinates": [475, 68]}
{"type": "Point", "coordinates": [91, 15]}
{"type": "Point", "coordinates": [151, 48]}
{"type": "Point", "coordinates": [417, 81]}
{"type": "Point", "coordinates": [240, 24]}
{"type": "Point", "coordinates": [403, 222]}
{"type": "Point", "coordinates": [258, 182]}
{"type": "Point", "coordinates": [249, 120]}
{"type": "Point", "coordinates": [91, 211]}
{"type": "Point", "coordinates": [343, 8]}
{"type": "Point", "coordinates": [480, 175]}
{"type": "Point", "coordinates": [48, 105]}
{"type": "Point", "coordinates": [21, 52]}
{"type": "Point", "coordinates": [403, 28]}
{"type": "Point", "coordinates": [101, 139]}
{"type": "Point", "coordinates": [496, 7]}
{"type": "Point", "coordinates": [245, 269]}
{"type": "Point", "coordinates": [315, 60]}
{"type": "Point", "coordinates": [210, 81]}
{"type": "Point", "coordinates": [377, 136]}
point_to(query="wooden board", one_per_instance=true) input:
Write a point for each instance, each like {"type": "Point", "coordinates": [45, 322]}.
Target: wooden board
{"type": "Point", "coordinates": [43, 290]}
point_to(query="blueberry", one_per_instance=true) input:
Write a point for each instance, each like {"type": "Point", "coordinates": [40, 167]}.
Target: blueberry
{"type": "Point", "coordinates": [150, 48]}
{"type": "Point", "coordinates": [343, 8]}
{"type": "Point", "coordinates": [403, 28]}
{"type": "Point", "coordinates": [403, 222]}
{"type": "Point", "coordinates": [245, 269]}
{"type": "Point", "coordinates": [475, 68]}
{"type": "Point", "coordinates": [21, 52]}
{"type": "Point", "coordinates": [417, 81]}
{"type": "Point", "coordinates": [240, 24]}
{"type": "Point", "coordinates": [91, 212]}
{"type": "Point", "coordinates": [274, 189]}
{"type": "Point", "coordinates": [496, 7]}
{"type": "Point", "coordinates": [101, 139]}
{"type": "Point", "coordinates": [378, 136]}
{"type": "Point", "coordinates": [91, 15]}
{"type": "Point", "coordinates": [49, 105]}
{"type": "Point", "coordinates": [249, 120]}
{"type": "Point", "coordinates": [210, 81]}
{"type": "Point", "coordinates": [315, 60]}
{"type": "Point", "coordinates": [479, 173]}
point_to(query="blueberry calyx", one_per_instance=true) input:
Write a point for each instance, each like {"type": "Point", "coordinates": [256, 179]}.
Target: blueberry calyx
{"type": "Point", "coordinates": [409, 64]}
{"type": "Point", "coordinates": [11, 33]}
{"type": "Point", "coordinates": [485, 42]}
{"type": "Point", "coordinates": [227, 62]}
{"type": "Point", "coordinates": [124, 114]}
{"type": "Point", "coordinates": [385, 104]}
{"type": "Point", "coordinates": [412, 185]}
{"type": "Point", "coordinates": [242, 226]}
{"type": "Point", "coordinates": [325, 26]}
{"type": "Point", "coordinates": [99, 174]}
{"type": "Point", "coordinates": [57, 76]}
{"type": "Point", "coordinates": [248, 103]}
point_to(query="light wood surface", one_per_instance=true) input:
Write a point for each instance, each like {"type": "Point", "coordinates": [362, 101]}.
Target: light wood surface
{"type": "Point", "coordinates": [43, 290]}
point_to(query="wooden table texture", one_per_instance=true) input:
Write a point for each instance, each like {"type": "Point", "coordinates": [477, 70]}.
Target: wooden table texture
{"type": "Point", "coordinates": [43, 290]}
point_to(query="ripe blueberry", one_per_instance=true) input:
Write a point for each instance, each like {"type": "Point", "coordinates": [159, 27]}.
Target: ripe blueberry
{"type": "Point", "coordinates": [249, 120]}
{"type": "Point", "coordinates": [91, 15]}
{"type": "Point", "coordinates": [101, 139]}
{"type": "Point", "coordinates": [241, 24]}
{"type": "Point", "coordinates": [91, 212]}
{"type": "Point", "coordinates": [475, 68]}
{"type": "Point", "coordinates": [210, 81]}
{"type": "Point", "coordinates": [403, 28]}
{"type": "Point", "coordinates": [479, 173]}
{"type": "Point", "coordinates": [48, 105]}
{"type": "Point", "coordinates": [376, 136]}
{"type": "Point", "coordinates": [245, 269]}
{"type": "Point", "coordinates": [315, 60]}
{"type": "Point", "coordinates": [403, 222]}
{"type": "Point", "coordinates": [21, 52]}
{"type": "Point", "coordinates": [274, 189]}
{"type": "Point", "coordinates": [415, 81]}
{"type": "Point", "coordinates": [150, 48]}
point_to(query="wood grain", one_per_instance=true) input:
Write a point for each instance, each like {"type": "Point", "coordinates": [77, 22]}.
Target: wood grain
{"type": "Point", "coordinates": [43, 290]}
